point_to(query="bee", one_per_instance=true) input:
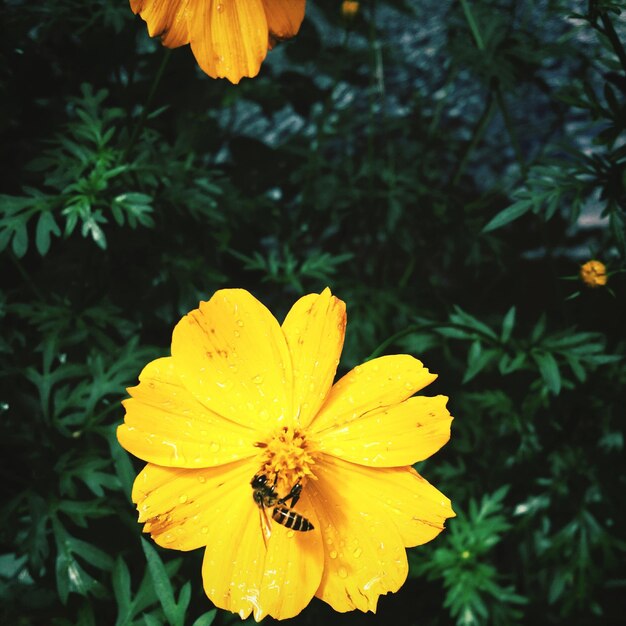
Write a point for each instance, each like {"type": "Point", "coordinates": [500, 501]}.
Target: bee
{"type": "Point", "coordinates": [265, 496]}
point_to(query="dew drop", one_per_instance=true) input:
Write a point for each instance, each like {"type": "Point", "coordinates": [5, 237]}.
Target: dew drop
{"type": "Point", "coordinates": [258, 379]}
{"type": "Point", "coordinates": [237, 333]}
{"type": "Point", "coordinates": [182, 499]}
{"type": "Point", "coordinates": [357, 552]}
{"type": "Point", "coordinates": [290, 533]}
{"type": "Point", "coordinates": [220, 8]}
{"type": "Point", "coordinates": [214, 447]}
{"type": "Point", "coordinates": [204, 530]}
{"type": "Point", "coordinates": [239, 322]}
{"type": "Point", "coordinates": [169, 538]}
{"type": "Point", "coordinates": [332, 554]}
{"type": "Point", "coordinates": [201, 479]}
{"type": "Point", "coordinates": [342, 572]}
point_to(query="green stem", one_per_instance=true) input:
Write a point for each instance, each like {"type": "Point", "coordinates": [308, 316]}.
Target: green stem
{"type": "Point", "coordinates": [146, 108]}
{"type": "Point", "coordinates": [479, 131]}
{"type": "Point", "coordinates": [430, 326]}
{"type": "Point", "coordinates": [511, 130]}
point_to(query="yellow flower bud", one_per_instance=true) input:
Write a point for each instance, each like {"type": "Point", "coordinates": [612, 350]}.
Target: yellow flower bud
{"type": "Point", "coordinates": [349, 8]}
{"type": "Point", "coordinates": [593, 273]}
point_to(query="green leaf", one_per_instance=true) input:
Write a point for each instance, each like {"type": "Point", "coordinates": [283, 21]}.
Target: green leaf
{"type": "Point", "coordinates": [122, 591]}
{"type": "Point", "coordinates": [161, 582]}
{"type": "Point", "coordinates": [20, 240]}
{"type": "Point", "coordinates": [45, 225]}
{"type": "Point", "coordinates": [511, 213]}
{"type": "Point", "coordinates": [507, 325]}
{"type": "Point", "coordinates": [549, 370]}
{"type": "Point", "coordinates": [206, 619]}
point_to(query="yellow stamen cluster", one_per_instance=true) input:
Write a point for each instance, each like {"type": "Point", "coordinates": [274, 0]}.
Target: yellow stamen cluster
{"type": "Point", "coordinates": [287, 455]}
{"type": "Point", "coordinates": [593, 274]}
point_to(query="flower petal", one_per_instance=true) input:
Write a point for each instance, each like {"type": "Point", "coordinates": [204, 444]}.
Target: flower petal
{"type": "Point", "coordinates": [380, 382]}
{"type": "Point", "coordinates": [179, 506]}
{"type": "Point", "coordinates": [416, 508]}
{"type": "Point", "coordinates": [232, 356]}
{"type": "Point", "coordinates": [393, 436]}
{"type": "Point", "coordinates": [165, 424]}
{"type": "Point", "coordinates": [284, 18]}
{"type": "Point", "coordinates": [364, 552]}
{"type": "Point", "coordinates": [314, 329]}
{"type": "Point", "coordinates": [368, 516]}
{"type": "Point", "coordinates": [168, 19]}
{"type": "Point", "coordinates": [242, 575]}
{"type": "Point", "coordinates": [229, 38]}
{"type": "Point", "coordinates": [187, 509]}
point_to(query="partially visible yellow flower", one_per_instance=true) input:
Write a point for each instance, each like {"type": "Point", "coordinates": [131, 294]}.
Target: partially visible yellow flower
{"type": "Point", "coordinates": [593, 273]}
{"type": "Point", "coordinates": [335, 501]}
{"type": "Point", "coordinates": [229, 38]}
{"type": "Point", "coordinates": [349, 8]}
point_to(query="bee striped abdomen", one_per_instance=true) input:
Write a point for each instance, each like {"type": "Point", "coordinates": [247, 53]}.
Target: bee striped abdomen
{"type": "Point", "coordinates": [290, 519]}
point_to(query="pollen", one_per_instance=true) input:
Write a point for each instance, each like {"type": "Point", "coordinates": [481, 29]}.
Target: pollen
{"type": "Point", "coordinates": [288, 455]}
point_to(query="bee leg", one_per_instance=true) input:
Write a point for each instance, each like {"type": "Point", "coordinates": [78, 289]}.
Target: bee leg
{"type": "Point", "coordinates": [293, 495]}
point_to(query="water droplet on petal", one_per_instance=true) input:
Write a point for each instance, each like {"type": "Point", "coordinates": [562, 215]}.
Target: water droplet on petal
{"type": "Point", "coordinates": [332, 554]}
{"type": "Point", "coordinates": [169, 538]}
{"type": "Point", "coordinates": [182, 499]}
{"type": "Point", "coordinates": [214, 447]}
{"type": "Point", "coordinates": [258, 379]}
{"type": "Point", "coordinates": [290, 533]}
{"type": "Point", "coordinates": [239, 322]}
{"type": "Point", "coordinates": [357, 552]}
{"type": "Point", "coordinates": [201, 479]}
{"type": "Point", "coordinates": [204, 530]}
{"type": "Point", "coordinates": [342, 572]}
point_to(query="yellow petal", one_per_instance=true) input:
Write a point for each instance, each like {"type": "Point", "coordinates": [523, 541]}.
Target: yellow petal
{"type": "Point", "coordinates": [416, 508]}
{"type": "Point", "coordinates": [168, 19]}
{"type": "Point", "coordinates": [180, 506]}
{"type": "Point", "coordinates": [187, 509]}
{"type": "Point", "coordinates": [314, 329]}
{"type": "Point", "coordinates": [367, 517]}
{"type": "Point", "coordinates": [364, 554]}
{"type": "Point", "coordinates": [284, 17]}
{"type": "Point", "coordinates": [242, 575]}
{"type": "Point", "coordinates": [229, 38]}
{"type": "Point", "coordinates": [232, 356]}
{"type": "Point", "coordinates": [401, 434]}
{"type": "Point", "coordinates": [165, 424]}
{"type": "Point", "coordinates": [380, 382]}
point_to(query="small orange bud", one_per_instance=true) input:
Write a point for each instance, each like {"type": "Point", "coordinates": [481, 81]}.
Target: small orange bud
{"type": "Point", "coordinates": [593, 273]}
{"type": "Point", "coordinates": [349, 8]}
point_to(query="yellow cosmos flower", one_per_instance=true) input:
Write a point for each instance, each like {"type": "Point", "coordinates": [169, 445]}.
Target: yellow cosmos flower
{"type": "Point", "coordinates": [229, 38]}
{"type": "Point", "coordinates": [294, 486]}
{"type": "Point", "coordinates": [593, 274]}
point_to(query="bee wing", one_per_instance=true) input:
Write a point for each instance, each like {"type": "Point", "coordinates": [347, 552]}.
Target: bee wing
{"type": "Point", "coordinates": [266, 526]}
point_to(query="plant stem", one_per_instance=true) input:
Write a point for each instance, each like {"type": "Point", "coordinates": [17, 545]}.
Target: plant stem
{"type": "Point", "coordinates": [144, 113]}
{"type": "Point", "coordinates": [477, 135]}
{"type": "Point", "coordinates": [511, 130]}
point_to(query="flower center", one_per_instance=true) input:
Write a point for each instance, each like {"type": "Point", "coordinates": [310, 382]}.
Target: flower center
{"type": "Point", "coordinates": [287, 456]}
